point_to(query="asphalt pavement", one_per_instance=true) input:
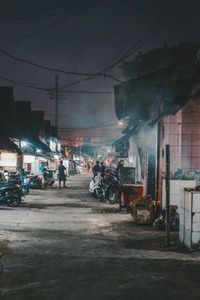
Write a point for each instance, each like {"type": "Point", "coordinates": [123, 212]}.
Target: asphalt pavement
{"type": "Point", "coordinates": [64, 244]}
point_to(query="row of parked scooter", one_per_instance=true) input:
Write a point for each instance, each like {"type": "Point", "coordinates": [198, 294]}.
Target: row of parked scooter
{"type": "Point", "coordinates": [14, 186]}
{"type": "Point", "coordinates": [11, 190]}
{"type": "Point", "coordinates": [105, 186]}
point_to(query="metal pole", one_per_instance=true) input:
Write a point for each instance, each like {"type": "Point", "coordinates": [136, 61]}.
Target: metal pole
{"type": "Point", "coordinates": [167, 195]}
{"type": "Point", "coordinates": [56, 100]}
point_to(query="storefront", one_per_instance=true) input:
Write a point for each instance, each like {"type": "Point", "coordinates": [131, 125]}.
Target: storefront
{"type": "Point", "coordinates": [9, 154]}
{"type": "Point", "coordinates": [8, 160]}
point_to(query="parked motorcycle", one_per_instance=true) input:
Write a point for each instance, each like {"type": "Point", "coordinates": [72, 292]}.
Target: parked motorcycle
{"type": "Point", "coordinates": [160, 221]}
{"type": "Point", "coordinates": [35, 182]}
{"type": "Point", "coordinates": [105, 187]}
{"type": "Point", "coordinates": [95, 187]}
{"type": "Point", "coordinates": [48, 178]}
{"type": "Point", "coordinates": [110, 185]}
{"type": "Point", "coordinates": [10, 194]}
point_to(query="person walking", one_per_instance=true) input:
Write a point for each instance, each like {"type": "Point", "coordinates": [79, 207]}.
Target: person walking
{"type": "Point", "coordinates": [61, 174]}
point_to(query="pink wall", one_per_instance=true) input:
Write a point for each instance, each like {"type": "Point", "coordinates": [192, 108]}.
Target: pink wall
{"type": "Point", "coordinates": [182, 133]}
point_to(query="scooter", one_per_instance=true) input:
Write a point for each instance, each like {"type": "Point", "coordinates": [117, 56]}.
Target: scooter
{"type": "Point", "coordinates": [95, 186]}
{"type": "Point", "coordinates": [35, 182]}
{"type": "Point", "coordinates": [48, 178]}
{"type": "Point", "coordinates": [111, 184]}
{"type": "Point", "coordinates": [10, 194]}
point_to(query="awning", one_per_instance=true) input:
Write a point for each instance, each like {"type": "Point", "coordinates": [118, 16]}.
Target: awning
{"type": "Point", "coordinates": [121, 141]}
{"type": "Point", "coordinates": [128, 133]}
{"type": "Point", "coordinates": [34, 145]}
{"type": "Point", "coordinates": [7, 144]}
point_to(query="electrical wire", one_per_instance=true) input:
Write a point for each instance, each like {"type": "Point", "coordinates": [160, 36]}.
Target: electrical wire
{"type": "Point", "coordinates": [31, 13]}
{"type": "Point", "coordinates": [84, 92]}
{"type": "Point", "coordinates": [27, 85]}
{"type": "Point", "coordinates": [104, 72]}
{"type": "Point", "coordinates": [26, 36]}
{"type": "Point", "coordinates": [23, 60]}
{"type": "Point", "coordinates": [49, 89]}
{"type": "Point", "coordinates": [140, 43]}
{"type": "Point", "coordinates": [132, 50]}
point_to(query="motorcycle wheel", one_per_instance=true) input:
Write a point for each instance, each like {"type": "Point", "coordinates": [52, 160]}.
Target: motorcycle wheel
{"type": "Point", "coordinates": [112, 196]}
{"type": "Point", "coordinates": [15, 201]}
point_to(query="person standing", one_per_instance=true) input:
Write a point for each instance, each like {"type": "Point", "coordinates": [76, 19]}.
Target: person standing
{"type": "Point", "coordinates": [96, 169]}
{"type": "Point", "coordinates": [103, 167]}
{"type": "Point", "coordinates": [61, 174]}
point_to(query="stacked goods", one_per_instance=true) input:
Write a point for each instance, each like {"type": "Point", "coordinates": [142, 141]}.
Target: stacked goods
{"type": "Point", "coordinates": [142, 210]}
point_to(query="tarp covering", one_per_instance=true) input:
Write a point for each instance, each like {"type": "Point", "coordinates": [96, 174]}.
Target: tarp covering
{"type": "Point", "coordinates": [34, 144]}
{"type": "Point", "coordinates": [154, 95]}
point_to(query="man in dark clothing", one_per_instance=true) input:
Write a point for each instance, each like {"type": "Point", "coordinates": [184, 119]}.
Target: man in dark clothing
{"type": "Point", "coordinates": [96, 169]}
{"type": "Point", "coordinates": [103, 167]}
{"type": "Point", "coordinates": [61, 174]}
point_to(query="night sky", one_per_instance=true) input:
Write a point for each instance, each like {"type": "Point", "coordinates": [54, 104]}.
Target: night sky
{"type": "Point", "coordinates": [89, 35]}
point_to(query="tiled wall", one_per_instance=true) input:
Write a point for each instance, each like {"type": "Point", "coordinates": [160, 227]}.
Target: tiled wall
{"type": "Point", "coordinates": [182, 133]}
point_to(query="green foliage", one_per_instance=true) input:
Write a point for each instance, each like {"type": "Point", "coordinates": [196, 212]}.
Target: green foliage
{"type": "Point", "coordinates": [180, 60]}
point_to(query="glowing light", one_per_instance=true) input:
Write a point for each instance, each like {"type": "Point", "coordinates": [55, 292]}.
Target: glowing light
{"type": "Point", "coordinates": [23, 144]}
{"type": "Point", "coordinates": [38, 150]}
{"type": "Point", "coordinates": [120, 123]}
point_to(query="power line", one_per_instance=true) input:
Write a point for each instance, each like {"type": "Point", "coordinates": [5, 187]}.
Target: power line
{"type": "Point", "coordinates": [27, 85]}
{"type": "Point", "coordinates": [49, 89]}
{"type": "Point", "coordinates": [104, 72]}
{"type": "Point", "coordinates": [52, 24]}
{"type": "Point", "coordinates": [132, 50]}
{"type": "Point", "coordinates": [39, 11]}
{"type": "Point", "coordinates": [85, 92]}
{"type": "Point", "coordinates": [136, 46]}
{"type": "Point", "coordinates": [45, 67]}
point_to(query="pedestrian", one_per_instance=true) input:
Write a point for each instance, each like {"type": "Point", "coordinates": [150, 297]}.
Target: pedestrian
{"type": "Point", "coordinates": [24, 180]}
{"type": "Point", "coordinates": [41, 171]}
{"type": "Point", "coordinates": [88, 167]}
{"type": "Point", "coordinates": [96, 169]}
{"type": "Point", "coordinates": [61, 174]}
{"type": "Point", "coordinates": [103, 167]}
{"type": "Point", "coordinates": [119, 170]}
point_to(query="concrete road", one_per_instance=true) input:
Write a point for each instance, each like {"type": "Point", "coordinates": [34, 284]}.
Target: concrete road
{"type": "Point", "coordinates": [62, 244]}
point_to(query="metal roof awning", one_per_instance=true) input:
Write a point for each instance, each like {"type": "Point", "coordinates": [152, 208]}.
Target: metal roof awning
{"type": "Point", "coordinates": [7, 144]}
{"type": "Point", "coordinates": [35, 145]}
{"type": "Point", "coordinates": [121, 141]}
{"type": "Point", "coordinates": [148, 98]}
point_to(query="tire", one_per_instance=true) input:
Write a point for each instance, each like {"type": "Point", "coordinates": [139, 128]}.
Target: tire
{"type": "Point", "coordinates": [15, 201]}
{"type": "Point", "coordinates": [112, 196]}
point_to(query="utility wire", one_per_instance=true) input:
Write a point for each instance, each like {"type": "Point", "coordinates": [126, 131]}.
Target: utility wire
{"type": "Point", "coordinates": [150, 34]}
{"type": "Point", "coordinates": [107, 69]}
{"type": "Point", "coordinates": [84, 92]}
{"type": "Point", "coordinates": [39, 11]}
{"type": "Point", "coordinates": [49, 89]}
{"type": "Point", "coordinates": [135, 47]}
{"type": "Point", "coordinates": [23, 60]}
{"type": "Point", "coordinates": [146, 38]}
{"type": "Point", "coordinates": [27, 85]}
{"type": "Point", "coordinates": [131, 51]}
{"type": "Point", "coordinates": [26, 36]}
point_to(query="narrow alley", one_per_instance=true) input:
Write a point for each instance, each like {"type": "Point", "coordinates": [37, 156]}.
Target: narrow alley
{"type": "Point", "coordinates": [64, 244]}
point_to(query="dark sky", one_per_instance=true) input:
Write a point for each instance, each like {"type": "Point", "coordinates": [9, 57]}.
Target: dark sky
{"type": "Point", "coordinates": [87, 42]}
